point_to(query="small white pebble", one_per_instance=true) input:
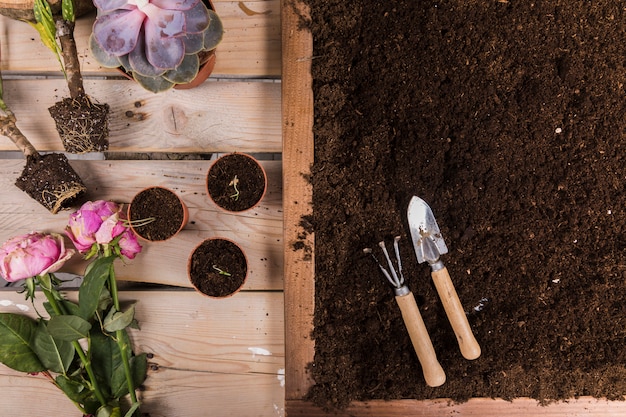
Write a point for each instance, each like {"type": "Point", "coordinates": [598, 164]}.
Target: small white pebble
{"type": "Point", "coordinates": [558, 130]}
{"type": "Point", "coordinates": [556, 281]}
{"type": "Point", "coordinates": [609, 212]}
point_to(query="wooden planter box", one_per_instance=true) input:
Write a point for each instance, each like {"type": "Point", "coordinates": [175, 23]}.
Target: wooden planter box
{"type": "Point", "coordinates": [300, 267]}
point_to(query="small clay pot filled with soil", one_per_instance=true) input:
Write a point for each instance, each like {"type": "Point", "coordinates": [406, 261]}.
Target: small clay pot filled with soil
{"type": "Point", "coordinates": [157, 214]}
{"type": "Point", "coordinates": [236, 182]}
{"type": "Point", "coordinates": [217, 268]}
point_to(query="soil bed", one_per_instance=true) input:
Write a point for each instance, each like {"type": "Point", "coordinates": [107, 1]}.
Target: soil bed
{"type": "Point", "coordinates": [508, 119]}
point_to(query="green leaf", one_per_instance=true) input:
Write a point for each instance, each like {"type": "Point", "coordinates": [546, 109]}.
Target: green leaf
{"type": "Point", "coordinates": [105, 357]}
{"type": "Point", "coordinates": [117, 320]}
{"type": "Point", "coordinates": [16, 335]}
{"type": "Point", "coordinates": [67, 10]}
{"type": "Point", "coordinates": [73, 389]}
{"type": "Point", "coordinates": [55, 355]}
{"type": "Point", "coordinates": [68, 328]}
{"type": "Point", "coordinates": [108, 365]}
{"type": "Point", "coordinates": [90, 291]}
{"type": "Point", "coordinates": [43, 16]}
{"type": "Point", "coordinates": [139, 368]}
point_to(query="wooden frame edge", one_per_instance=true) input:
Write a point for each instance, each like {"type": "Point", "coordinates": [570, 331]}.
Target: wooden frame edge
{"type": "Point", "coordinates": [299, 261]}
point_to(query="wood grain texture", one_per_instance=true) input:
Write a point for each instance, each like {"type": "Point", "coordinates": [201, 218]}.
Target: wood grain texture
{"type": "Point", "coordinates": [476, 407]}
{"type": "Point", "coordinates": [250, 47]}
{"type": "Point", "coordinates": [211, 357]}
{"type": "Point", "coordinates": [214, 117]}
{"type": "Point", "coordinates": [299, 267]}
{"type": "Point", "coordinates": [258, 231]}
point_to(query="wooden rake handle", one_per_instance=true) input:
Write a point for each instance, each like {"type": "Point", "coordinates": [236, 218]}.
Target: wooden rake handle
{"type": "Point", "coordinates": [470, 349]}
{"type": "Point", "coordinates": [433, 372]}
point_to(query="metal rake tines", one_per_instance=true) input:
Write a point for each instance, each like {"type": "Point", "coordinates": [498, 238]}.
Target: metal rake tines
{"type": "Point", "coordinates": [395, 278]}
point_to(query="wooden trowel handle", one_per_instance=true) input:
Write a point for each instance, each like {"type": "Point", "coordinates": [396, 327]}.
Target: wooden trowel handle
{"type": "Point", "coordinates": [433, 372]}
{"type": "Point", "coordinates": [470, 349]}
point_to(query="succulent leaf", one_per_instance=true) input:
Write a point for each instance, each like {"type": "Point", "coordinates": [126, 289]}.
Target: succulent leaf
{"type": "Point", "coordinates": [215, 31]}
{"type": "Point", "coordinates": [166, 53]}
{"type": "Point", "coordinates": [103, 58]}
{"type": "Point", "coordinates": [140, 64]}
{"type": "Point", "coordinates": [194, 42]}
{"type": "Point", "coordinates": [170, 22]}
{"type": "Point", "coordinates": [175, 4]}
{"type": "Point", "coordinates": [125, 62]}
{"type": "Point", "coordinates": [197, 18]}
{"type": "Point", "coordinates": [110, 5]}
{"type": "Point", "coordinates": [185, 72]}
{"type": "Point", "coordinates": [117, 32]}
{"type": "Point", "coordinates": [154, 84]}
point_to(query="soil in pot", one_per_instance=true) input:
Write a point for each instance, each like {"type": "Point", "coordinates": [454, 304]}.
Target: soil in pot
{"type": "Point", "coordinates": [217, 267]}
{"type": "Point", "coordinates": [236, 182]}
{"type": "Point", "coordinates": [82, 124]}
{"type": "Point", "coordinates": [156, 214]}
{"type": "Point", "coordinates": [508, 119]}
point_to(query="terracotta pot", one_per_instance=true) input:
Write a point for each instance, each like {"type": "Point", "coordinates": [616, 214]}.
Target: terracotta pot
{"type": "Point", "coordinates": [23, 9]}
{"type": "Point", "coordinates": [217, 268]}
{"type": "Point", "coordinates": [157, 214]}
{"type": "Point", "coordinates": [236, 182]}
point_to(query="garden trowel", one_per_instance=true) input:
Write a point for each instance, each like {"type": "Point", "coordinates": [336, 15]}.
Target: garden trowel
{"type": "Point", "coordinates": [429, 246]}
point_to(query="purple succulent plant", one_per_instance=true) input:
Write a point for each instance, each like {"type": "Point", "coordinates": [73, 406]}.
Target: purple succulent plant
{"type": "Point", "coordinates": [155, 40]}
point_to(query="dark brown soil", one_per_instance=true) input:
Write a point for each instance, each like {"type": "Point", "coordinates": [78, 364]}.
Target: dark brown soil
{"type": "Point", "coordinates": [156, 214]}
{"type": "Point", "coordinates": [51, 181]}
{"type": "Point", "coordinates": [507, 117]}
{"type": "Point", "coordinates": [236, 182]}
{"type": "Point", "coordinates": [218, 268]}
{"type": "Point", "coordinates": [82, 124]}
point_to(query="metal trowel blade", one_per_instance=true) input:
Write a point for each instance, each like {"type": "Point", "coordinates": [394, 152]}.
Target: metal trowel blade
{"type": "Point", "coordinates": [425, 234]}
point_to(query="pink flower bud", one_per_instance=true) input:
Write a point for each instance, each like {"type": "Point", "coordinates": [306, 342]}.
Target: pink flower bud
{"type": "Point", "coordinates": [33, 254]}
{"type": "Point", "coordinates": [129, 246]}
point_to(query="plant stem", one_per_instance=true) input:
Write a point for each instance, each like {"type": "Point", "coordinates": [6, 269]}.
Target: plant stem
{"type": "Point", "coordinates": [9, 129]}
{"type": "Point", "coordinates": [65, 32]}
{"type": "Point", "coordinates": [59, 310]}
{"type": "Point", "coordinates": [119, 335]}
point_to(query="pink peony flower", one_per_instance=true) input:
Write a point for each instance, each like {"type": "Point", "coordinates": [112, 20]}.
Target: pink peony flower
{"type": "Point", "coordinates": [32, 255]}
{"type": "Point", "coordinates": [129, 246]}
{"type": "Point", "coordinates": [100, 223]}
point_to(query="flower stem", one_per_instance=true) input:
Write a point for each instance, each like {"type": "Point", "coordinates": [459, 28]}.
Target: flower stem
{"type": "Point", "coordinates": [119, 335]}
{"type": "Point", "coordinates": [59, 310]}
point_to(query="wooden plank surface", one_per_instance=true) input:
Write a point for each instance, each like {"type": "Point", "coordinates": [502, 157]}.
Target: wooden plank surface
{"type": "Point", "coordinates": [299, 270]}
{"type": "Point", "coordinates": [205, 363]}
{"type": "Point", "coordinates": [258, 231]}
{"type": "Point", "coordinates": [476, 407]}
{"type": "Point", "coordinates": [215, 117]}
{"type": "Point", "coordinates": [250, 47]}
